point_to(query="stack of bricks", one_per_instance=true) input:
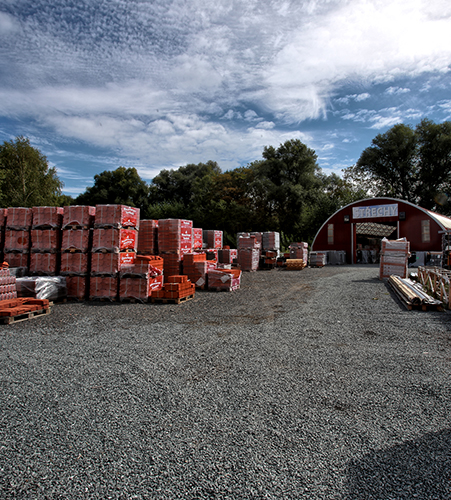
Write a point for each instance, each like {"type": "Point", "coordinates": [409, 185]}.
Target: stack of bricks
{"type": "Point", "coordinates": [8, 289]}
{"type": "Point", "coordinates": [394, 258]}
{"type": "Point", "coordinates": [224, 279]}
{"type": "Point", "coordinates": [299, 251]}
{"type": "Point", "coordinates": [3, 213]}
{"type": "Point", "coordinates": [46, 241]}
{"type": "Point", "coordinates": [212, 239]}
{"type": "Point", "coordinates": [76, 246]}
{"type": "Point", "coordinates": [198, 242]}
{"type": "Point", "coordinates": [115, 238]}
{"type": "Point", "coordinates": [248, 253]}
{"type": "Point", "coordinates": [271, 241]}
{"type": "Point", "coordinates": [139, 281]}
{"type": "Point", "coordinates": [227, 255]}
{"type": "Point", "coordinates": [148, 237]}
{"type": "Point", "coordinates": [196, 267]}
{"type": "Point", "coordinates": [318, 259]}
{"type": "Point", "coordinates": [175, 288]}
{"type": "Point", "coordinates": [175, 239]}
{"type": "Point", "coordinates": [17, 237]}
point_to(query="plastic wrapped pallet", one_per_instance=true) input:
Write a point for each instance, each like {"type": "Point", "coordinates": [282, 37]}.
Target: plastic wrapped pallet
{"type": "Point", "coordinates": [76, 240]}
{"type": "Point", "coordinates": [114, 240]}
{"type": "Point", "coordinates": [148, 237]}
{"type": "Point", "coordinates": [18, 260]}
{"type": "Point", "coordinates": [248, 242]}
{"type": "Point", "coordinates": [77, 287]}
{"type": "Point", "coordinates": [3, 214]}
{"type": "Point", "coordinates": [212, 238]}
{"type": "Point", "coordinates": [394, 258]}
{"type": "Point", "coordinates": [117, 216]}
{"type": "Point", "coordinates": [17, 240]}
{"type": "Point", "coordinates": [229, 280]}
{"type": "Point", "coordinates": [45, 240]}
{"type": "Point", "coordinates": [144, 268]}
{"type": "Point", "coordinates": [318, 259]}
{"type": "Point", "coordinates": [271, 241]}
{"type": "Point", "coordinates": [198, 242]}
{"type": "Point", "coordinates": [227, 255]}
{"type": "Point", "coordinates": [175, 236]}
{"type": "Point", "coordinates": [19, 218]}
{"type": "Point", "coordinates": [75, 263]}
{"type": "Point", "coordinates": [248, 258]}
{"type": "Point", "coordinates": [78, 216]}
{"type": "Point", "coordinates": [103, 287]}
{"type": "Point", "coordinates": [42, 287]}
{"type": "Point", "coordinates": [139, 289]}
{"type": "Point", "coordinates": [47, 217]}
{"type": "Point", "coordinates": [44, 263]}
{"type": "Point", "coordinates": [111, 263]}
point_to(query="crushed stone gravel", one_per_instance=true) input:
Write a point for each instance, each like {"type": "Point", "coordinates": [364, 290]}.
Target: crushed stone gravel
{"type": "Point", "coordinates": [314, 384]}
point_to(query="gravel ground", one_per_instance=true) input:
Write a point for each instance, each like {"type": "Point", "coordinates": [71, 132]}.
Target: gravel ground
{"type": "Point", "coordinates": [312, 384]}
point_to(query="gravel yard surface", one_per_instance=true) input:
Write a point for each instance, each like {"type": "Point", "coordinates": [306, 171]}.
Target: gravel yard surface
{"type": "Point", "coordinates": [312, 384]}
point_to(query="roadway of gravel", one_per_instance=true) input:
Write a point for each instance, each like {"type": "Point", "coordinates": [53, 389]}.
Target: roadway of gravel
{"type": "Point", "coordinates": [312, 384]}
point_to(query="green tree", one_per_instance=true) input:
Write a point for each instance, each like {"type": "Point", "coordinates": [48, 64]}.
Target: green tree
{"type": "Point", "coordinates": [410, 164]}
{"type": "Point", "coordinates": [26, 180]}
{"type": "Point", "coordinates": [122, 186]}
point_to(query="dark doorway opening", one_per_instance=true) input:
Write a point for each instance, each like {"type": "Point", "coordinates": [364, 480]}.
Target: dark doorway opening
{"type": "Point", "coordinates": [368, 240]}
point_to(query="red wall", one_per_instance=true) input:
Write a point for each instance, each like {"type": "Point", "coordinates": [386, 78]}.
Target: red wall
{"type": "Point", "coordinates": [409, 228]}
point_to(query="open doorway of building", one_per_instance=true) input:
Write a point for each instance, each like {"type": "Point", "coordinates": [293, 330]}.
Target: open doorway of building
{"type": "Point", "coordinates": [368, 238]}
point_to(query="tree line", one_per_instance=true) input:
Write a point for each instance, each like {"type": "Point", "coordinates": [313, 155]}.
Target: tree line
{"type": "Point", "coordinates": [284, 191]}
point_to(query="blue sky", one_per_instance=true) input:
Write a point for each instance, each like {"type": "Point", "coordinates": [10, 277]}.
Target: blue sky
{"type": "Point", "coordinates": [163, 83]}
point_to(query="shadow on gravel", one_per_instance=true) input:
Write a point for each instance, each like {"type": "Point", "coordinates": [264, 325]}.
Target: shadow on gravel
{"type": "Point", "coordinates": [414, 469]}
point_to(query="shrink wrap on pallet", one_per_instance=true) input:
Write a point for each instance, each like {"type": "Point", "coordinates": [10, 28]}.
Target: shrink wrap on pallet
{"type": "Point", "coordinates": [198, 242]}
{"type": "Point", "coordinates": [148, 237]}
{"type": "Point", "coordinates": [45, 240]}
{"type": "Point", "coordinates": [224, 279]}
{"type": "Point", "coordinates": [248, 258]}
{"type": "Point", "coordinates": [175, 236]}
{"type": "Point", "coordinates": [248, 242]}
{"type": "Point", "coordinates": [139, 288]}
{"type": "Point", "coordinates": [18, 260]}
{"type": "Point", "coordinates": [114, 240]}
{"type": "Point", "coordinates": [76, 239]}
{"type": "Point", "coordinates": [47, 217]}
{"type": "Point", "coordinates": [44, 263]}
{"type": "Point", "coordinates": [74, 263]}
{"type": "Point", "coordinates": [103, 287]}
{"type": "Point", "coordinates": [17, 240]}
{"type": "Point", "coordinates": [271, 241]}
{"type": "Point", "coordinates": [77, 287]}
{"type": "Point", "coordinates": [227, 255]}
{"type": "Point", "coordinates": [111, 263]}
{"type": "Point", "coordinates": [3, 214]}
{"type": "Point", "coordinates": [42, 287]}
{"type": "Point", "coordinates": [19, 218]}
{"type": "Point", "coordinates": [80, 216]}
{"type": "Point", "coordinates": [117, 216]}
{"type": "Point", "coordinates": [394, 258]}
{"type": "Point", "coordinates": [318, 259]}
{"type": "Point", "coordinates": [212, 238]}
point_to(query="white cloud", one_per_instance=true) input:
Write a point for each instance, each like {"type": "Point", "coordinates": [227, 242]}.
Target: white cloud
{"type": "Point", "coordinates": [396, 90]}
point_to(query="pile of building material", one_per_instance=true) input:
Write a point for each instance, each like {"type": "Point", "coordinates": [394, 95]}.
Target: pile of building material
{"type": "Point", "coordinates": [394, 257]}
{"type": "Point", "coordinates": [336, 257]}
{"type": "Point", "coordinates": [299, 250]}
{"type": "Point", "coordinates": [17, 237]}
{"type": "Point", "coordinates": [15, 310]}
{"type": "Point", "coordinates": [295, 264]}
{"type": "Point", "coordinates": [437, 282]}
{"type": "Point", "coordinates": [224, 279]}
{"type": "Point", "coordinates": [139, 281]}
{"type": "Point", "coordinates": [148, 237]}
{"type": "Point", "coordinates": [8, 289]}
{"type": "Point", "coordinates": [249, 249]}
{"type": "Point", "coordinates": [318, 259]}
{"type": "Point", "coordinates": [412, 295]}
{"type": "Point", "coordinates": [177, 289]}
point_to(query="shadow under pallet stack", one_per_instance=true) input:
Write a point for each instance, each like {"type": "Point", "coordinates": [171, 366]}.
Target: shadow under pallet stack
{"type": "Point", "coordinates": [114, 245]}
{"type": "Point", "coordinates": [76, 246]}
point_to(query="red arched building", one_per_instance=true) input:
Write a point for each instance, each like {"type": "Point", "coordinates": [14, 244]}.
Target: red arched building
{"type": "Point", "coordinates": [362, 224]}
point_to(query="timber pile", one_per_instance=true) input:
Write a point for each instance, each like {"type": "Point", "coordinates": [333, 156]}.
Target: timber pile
{"type": "Point", "coordinates": [412, 295]}
{"type": "Point", "coordinates": [15, 310]}
{"type": "Point", "coordinates": [437, 282]}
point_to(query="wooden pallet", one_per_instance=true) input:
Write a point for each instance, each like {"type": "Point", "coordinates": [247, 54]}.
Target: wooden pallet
{"type": "Point", "coordinates": [171, 301]}
{"type": "Point", "coordinates": [8, 320]}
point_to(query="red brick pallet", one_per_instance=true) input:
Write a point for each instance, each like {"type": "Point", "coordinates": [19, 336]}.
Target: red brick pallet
{"type": "Point", "coordinates": [13, 311]}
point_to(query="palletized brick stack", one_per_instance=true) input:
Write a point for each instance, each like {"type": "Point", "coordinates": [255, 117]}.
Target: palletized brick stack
{"type": "Point", "coordinates": [212, 239]}
{"type": "Point", "coordinates": [17, 237]}
{"type": "Point", "coordinates": [271, 241]}
{"type": "Point", "coordinates": [113, 248]}
{"type": "Point", "coordinates": [148, 237]}
{"type": "Point", "coordinates": [394, 258]}
{"type": "Point", "coordinates": [46, 241]}
{"type": "Point", "coordinates": [175, 239]}
{"type": "Point", "coordinates": [249, 253]}
{"type": "Point", "coordinates": [140, 280]}
{"type": "Point", "coordinates": [224, 279]}
{"type": "Point", "coordinates": [299, 250]}
{"type": "Point", "coordinates": [7, 285]}
{"type": "Point", "coordinates": [198, 242]}
{"type": "Point", "coordinates": [318, 259]}
{"type": "Point", "coordinates": [176, 288]}
{"type": "Point", "coordinates": [227, 255]}
{"type": "Point", "coordinates": [78, 221]}
{"type": "Point", "coordinates": [196, 267]}
{"type": "Point", "coordinates": [3, 213]}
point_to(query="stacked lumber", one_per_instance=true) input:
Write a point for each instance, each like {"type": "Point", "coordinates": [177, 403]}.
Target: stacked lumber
{"type": "Point", "coordinates": [148, 237]}
{"type": "Point", "coordinates": [437, 282]}
{"type": "Point", "coordinates": [394, 258]}
{"type": "Point", "coordinates": [76, 246]}
{"type": "Point", "coordinates": [412, 295]}
{"type": "Point", "coordinates": [176, 289]}
{"type": "Point", "coordinates": [114, 248]}
{"type": "Point", "coordinates": [224, 279]}
{"type": "Point", "coordinates": [17, 237]}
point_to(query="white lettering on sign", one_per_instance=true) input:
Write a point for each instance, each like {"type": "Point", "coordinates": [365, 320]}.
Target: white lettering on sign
{"type": "Point", "coordinates": [375, 211]}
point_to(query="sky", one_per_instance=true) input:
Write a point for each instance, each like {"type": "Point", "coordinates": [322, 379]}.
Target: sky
{"type": "Point", "coordinates": [161, 84]}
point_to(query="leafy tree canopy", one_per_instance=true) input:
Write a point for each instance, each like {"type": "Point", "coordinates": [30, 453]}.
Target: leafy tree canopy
{"type": "Point", "coordinates": [26, 180]}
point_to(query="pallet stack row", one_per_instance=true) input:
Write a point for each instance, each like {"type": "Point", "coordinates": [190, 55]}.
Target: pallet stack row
{"type": "Point", "coordinates": [46, 241]}
{"type": "Point", "coordinates": [318, 259]}
{"type": "Point", "coordinates": [76, 249]}
{"type": "Point", "coordinates": [175, 239]}
{"type": "Point", "coordinates": [394, 258]}
{"type": "Point", "coordinates": [115, 238]}
{"type": "Point", "coordinates": [17, 237]}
